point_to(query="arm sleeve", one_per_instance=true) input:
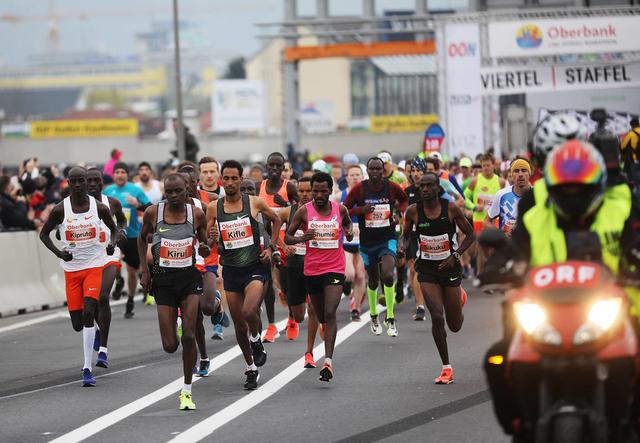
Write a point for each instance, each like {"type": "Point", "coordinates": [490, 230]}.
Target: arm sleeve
{"type": "Point", "coordinates": [468, 199]}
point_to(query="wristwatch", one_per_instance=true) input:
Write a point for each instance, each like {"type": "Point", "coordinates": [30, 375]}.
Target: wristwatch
{"type": "Point", "coordinates": [456, 255]}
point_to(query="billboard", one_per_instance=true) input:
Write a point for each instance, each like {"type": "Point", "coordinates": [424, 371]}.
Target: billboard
{"type": "Point", "coordinates": [238, 105]}
{"type": "Point", "coordinates": [127, 127]}
{"type": "Point", "coordinates": [563, 36]}
{"type": "Point", "coordinates": [318, 117]}
{"type": "Point", "coordinates": [463, 90]}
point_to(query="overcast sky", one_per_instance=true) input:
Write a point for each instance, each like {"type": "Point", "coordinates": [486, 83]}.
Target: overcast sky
{"type": "Point", "coordinates": [226, 25]}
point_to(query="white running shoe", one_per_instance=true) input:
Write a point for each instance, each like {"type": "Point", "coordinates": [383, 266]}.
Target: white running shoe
{"type": "Point", "coordinates": [391, 327]}
{"type": "Point", "coordinates": [376, 329]}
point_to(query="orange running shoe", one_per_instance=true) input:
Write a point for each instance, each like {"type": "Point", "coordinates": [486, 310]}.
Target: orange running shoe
{"type": "Point", "coordinates": [292, 329]}
{"type": "Point", "coordinates": [309, 362]}
{"type": "Point", "coordinates": [271, 334]}
{"type": "Point", "coordinates": [322, 331]}
{"type": "Point", "coordinates": [445, 378]}
{"type": "Point", "coordinates": [463, 297]}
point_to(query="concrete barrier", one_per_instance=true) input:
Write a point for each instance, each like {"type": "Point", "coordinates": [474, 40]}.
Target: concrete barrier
{"type": "Point", "coordinates": [31, 276]}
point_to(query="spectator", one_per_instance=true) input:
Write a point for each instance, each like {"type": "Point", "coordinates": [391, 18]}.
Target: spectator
{"type": "Point", "coordinates": [13, 208]}
{"type": "Point", "coordinates": [256, 173]}
{"type": "Point", "coordinates": [348, 159]}
{"type": "Point", "coordinates": [115, 158]}
{"type": "Point", "coordinates": [191, 146]}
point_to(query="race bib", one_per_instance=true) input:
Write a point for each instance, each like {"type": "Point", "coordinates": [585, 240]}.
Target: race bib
{"type": "Point", "coordinates": [176, 253]}
{"type": "Point", "coordinates": [327, 234]}
{"type": "Point", "coordinates": [301, 248]}
{"type": "Point", "coordinates": [379, 218]}
{"type": "Point", "coordinates": [236, 234]}
{"type": "Point", "coordinates": [81, 235]}
{"type": "Point", "coordinates": [435, 247]}
{"type": "Point", "coordinates": [485, 200]}
{"type": "Point", "coordinates": [508, 227]}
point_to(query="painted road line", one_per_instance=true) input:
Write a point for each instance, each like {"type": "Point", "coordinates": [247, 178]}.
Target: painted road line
{"type": "Point", "coordinates": [209, 425]}
{"type": "Point", "coordinates": [55, 315]}
{"type": "Point", "coordinates": [20, 394]}
{"type": "Point", "coordinates": [127, 410]}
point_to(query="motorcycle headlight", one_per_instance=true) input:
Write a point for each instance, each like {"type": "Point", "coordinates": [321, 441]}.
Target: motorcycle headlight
{"type": "Point", "coordinates": [533, 320]}
{"type": "Point", "coordinates": [602, 315]}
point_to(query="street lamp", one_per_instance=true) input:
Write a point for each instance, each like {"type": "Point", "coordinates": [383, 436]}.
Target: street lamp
{"type": "Point", "coordinates": [180, 126]}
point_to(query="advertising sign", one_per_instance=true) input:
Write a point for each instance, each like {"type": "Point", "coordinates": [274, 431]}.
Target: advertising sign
{"type": "Point", "coordinates": [463, 89]}
{"type": "Point", "coordinates": [238, 105]}
{"type": "Point", "coordinates": [318, 117]}
{"type": "Point", "coordinates": [127, 127]}
{"type": "Point", "coordinates": [433, 138]}
{"type": "Point", "coordinates": [526, 79]}
{"type": "Point", "coordinates": [563, 36]}
{"type": "Point", "coordinates": [401, 123]}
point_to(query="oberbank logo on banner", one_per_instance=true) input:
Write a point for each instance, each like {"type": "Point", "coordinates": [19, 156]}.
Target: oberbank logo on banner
{"type": "Point", "coordinates": [562, 36]}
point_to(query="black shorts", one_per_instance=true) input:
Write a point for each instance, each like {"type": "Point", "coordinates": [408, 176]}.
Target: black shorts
{"type": "Point", "coordinates": [130, 253]}
{"type": "Point", "coordinates": [317, 283]}
{"type": "Point", "coordinates": [171, 290]}
{"type": "Point", "coordinates": [296, 286]}
{"type": "Point", "coordinates": [446, 279]}
{"type": "Point", "coordinates": [352, 249]}
{"type": "Point", "coordinates": [237, 278]}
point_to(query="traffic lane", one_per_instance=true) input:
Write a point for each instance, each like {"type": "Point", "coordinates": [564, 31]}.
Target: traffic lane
{"type": "Point", "coordinates": [378, 381]}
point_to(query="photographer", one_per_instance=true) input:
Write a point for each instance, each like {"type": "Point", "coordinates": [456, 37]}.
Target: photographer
{"type": "Point", "coordinates": [13, 207]}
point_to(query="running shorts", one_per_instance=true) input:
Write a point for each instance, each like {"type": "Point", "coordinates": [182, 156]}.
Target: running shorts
{"type": "Point", "coordinates": [81, 284]}
{"type": "Point", "coordinates": [352, 249]}
{"type": "Point", "coordinates": [172, 291]}
{"type": "Point", "coordinates": [448, 279]}
{"type": "Point", "coordinates": [237, 278]}
{"type": "Point", "coordinates": [371, 255]}
{"type": "Point", "coordinates": [130, 253]}
{"type": "Point", "coordinates": [115, 263]}
{"type": "Point", "coordinates": [317, 283]}
{"type": "Point", "coordinates": [296, 286]}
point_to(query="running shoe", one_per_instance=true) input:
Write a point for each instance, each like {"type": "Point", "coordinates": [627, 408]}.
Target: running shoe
{"type": "Point", "coordinates": [128, 313]}
{"type": "Point", "coordinates": [251, 382]}
{"type": "Point", "coordinates": [195, 370]}
{"type": "Point", "coordinates": [96, 341]}
{"type": "Point", "coordinates": [326, 373]}
{"type": "Point", "coordinates": [117, 290]}
{"type": "Point", "coordinates": [225, 320]}
{"type": "Point", "coordinates": [271, 334]}
{"type": "Point", "coordinates": [445, 378]}
{"type": "Point", "coordinates": [186, 402]}
{"type": "Point", "coordinates": [420, 314]}
{"type": "Point", "coordinates": [203, 371]}
{"type": "Point", "coordinates": [149, 300]}
{"type": "Point", "coordinates": [309, 362]}
{"type": "Point", "coordinates": [391, 327]}
{"type": "Point", "coordinates": [218, 334]}
{"type": "Point", "coordinates": [87, 378]}
{"type": "Point", "coordinates": [258, 353]}
{"type": "Point", "coordinates": [292, 329]}
{"type": "Point", "coordinates": [321, 331]}
{"type": "Point", "coordinates": [355, 315]}
{"type": "Point", "coordinates": [352, 303]}
{"type": "Point", "coordinates": [102, 360]}
{"type": "Point", "coordinates": [376, 329]}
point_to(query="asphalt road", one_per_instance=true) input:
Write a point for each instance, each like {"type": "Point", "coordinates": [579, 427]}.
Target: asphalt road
{"type": "Point", "coordinates": [382, 391]}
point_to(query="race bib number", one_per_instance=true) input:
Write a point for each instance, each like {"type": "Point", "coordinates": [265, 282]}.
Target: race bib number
{"type": "Point", "coordinates": [379, 218]}
{"type": "Point", "coordinates": [176, 253]}
{"type": "Point", "coordinates": [508, 227]}
{"type": "Point", "coordinates": [485, 200]}
{"type": "Point", "coordinates": [435, 247]}
{"type": "Point", "coordinates": [301, 248]}
{"type": "Point", "coordinates": [327, 234]}
{"type": "Point", "coordinates": [236, 234]}
{"type": "Point", "coordinates": [81, 235]}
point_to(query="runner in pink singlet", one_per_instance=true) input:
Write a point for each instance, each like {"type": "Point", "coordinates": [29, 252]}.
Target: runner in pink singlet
{"type": "Point", "coordinates": [323, 222]}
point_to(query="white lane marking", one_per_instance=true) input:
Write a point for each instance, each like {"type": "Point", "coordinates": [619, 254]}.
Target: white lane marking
{"type": "Point", "coordinates": [60, 314]}
{"type": "Point", "coordinates": [249, 401]}
{"type": "Point", "coordinates": [20, 394]}
{"type": "Point", "coordinates": [127, 410]}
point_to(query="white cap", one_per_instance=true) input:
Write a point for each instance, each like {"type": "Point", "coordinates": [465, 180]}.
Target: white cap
{"type": "Point", "coordinates": [402, 164]}
{"type": "Point", "coordinates": [321, 166]}
{"type": "Point", "coordinates": [436, 155]}
{"type": "Point", "coordinates": [385, 157]}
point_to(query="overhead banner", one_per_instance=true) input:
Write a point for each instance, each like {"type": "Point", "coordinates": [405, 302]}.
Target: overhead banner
{"type": "Point", "coordinates": [238, 105]}
{"type": "Point", "coordinates": [528, 79]}
{"type": "Point", "coordinates": [126, 127]}
{"type": "Point", "coordinates": [563, 36]}
{"type": "Point", "coordinates": [401, 123]}
{"type": "Point", "coordinates": [463, 89]}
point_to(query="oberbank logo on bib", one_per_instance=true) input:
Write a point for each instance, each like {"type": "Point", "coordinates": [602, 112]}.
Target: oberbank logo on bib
{"type": "Point", "coordinates": [529, 36]}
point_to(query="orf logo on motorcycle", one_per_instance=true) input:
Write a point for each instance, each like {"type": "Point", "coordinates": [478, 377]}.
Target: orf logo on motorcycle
{"type": "Point", "coordinates": [565, 274]}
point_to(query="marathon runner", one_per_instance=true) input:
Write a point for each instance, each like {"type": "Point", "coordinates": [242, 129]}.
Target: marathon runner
{"type": "Point", "coordinates": [504, 206]}
{"type": "Point", "coordinates": [177, 227]}
{"type": "Point", "coordinates": [438, 263]}
{"type": "Point", "coordinates": [132, 199]}
{"type": "Point", "coordinates": [152, 188]}
{"type": "Point", "coordinates": [278, 193]}
{"type": "Point", "coordinates": [233, 219]}
{"type": "Point", "coordinates": [295, 286]}
{"type": "Point", "coordinates": [78, 218]}
{"type": "Point", "coordinates": [111, 262]}
{"type": "Point", "coordinates": [323, 223]}
{"type": "Point", "coordinates": [377, 201]}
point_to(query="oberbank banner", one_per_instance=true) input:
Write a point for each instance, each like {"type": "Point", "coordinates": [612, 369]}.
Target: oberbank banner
{"type": "Point", "coordinates": [563, 36]}
{"type": "Point", "coordinates": [126, 127]}
{"type": "Point", "coordinates": [527, 79]}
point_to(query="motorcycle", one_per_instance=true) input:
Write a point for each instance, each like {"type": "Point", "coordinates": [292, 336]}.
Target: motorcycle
{"type": "Point", "coordinates": [570, 367]}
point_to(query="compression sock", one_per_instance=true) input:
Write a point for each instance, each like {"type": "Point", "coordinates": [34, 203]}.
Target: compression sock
{"type": "Point", "coordinates": [88, 336]}
{"type": "Point", "coordinates": [390, 298]}
{"type": "Point", "coordinates": [373, 300]}
{"type": "Point", "coordinates": [186, 388]}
